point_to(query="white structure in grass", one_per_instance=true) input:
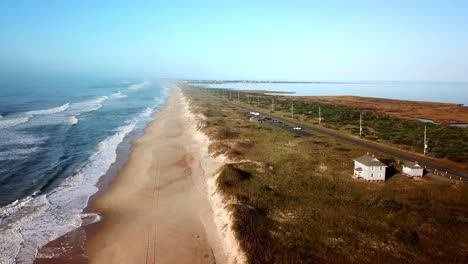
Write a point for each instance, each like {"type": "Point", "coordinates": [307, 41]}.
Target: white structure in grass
{"type": "Point", "coordinates": [413, 169]}
{"type": "Point", "coordinates": [369, 168]}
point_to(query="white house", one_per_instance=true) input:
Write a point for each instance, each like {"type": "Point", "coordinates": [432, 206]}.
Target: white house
{"type": "Point", "coordinates": [413, 169]}
{"type": "Point", "coordinates": [369, 168]}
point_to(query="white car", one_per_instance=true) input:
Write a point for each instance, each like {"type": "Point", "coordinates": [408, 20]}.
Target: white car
{"type": "Point", "coordinates": [297, 128]}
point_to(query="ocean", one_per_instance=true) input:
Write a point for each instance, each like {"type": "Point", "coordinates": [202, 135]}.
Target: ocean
{"type": "Point", "coordinates": [444, 92]}
{"type": "Point", "coordinates": [56, 140]}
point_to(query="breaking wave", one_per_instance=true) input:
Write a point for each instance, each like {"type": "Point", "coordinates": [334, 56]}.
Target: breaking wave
{"type": "Point", "coordinates": [139, 86]}
{"type": "Point", "coordinates": [88, 106]}
{"type": "Point", "coordinates": [72, 120]}
{"type": "Point", "coordinates": [119, 94]}
{"type": "Point", "coordinates": [148, 111]}
{"type": "Point", "coordinates": [25, 117]}
{"type": "Point", "coordinates": [11, 122]}
{"type": "Point", "coordinates": [49, 111]}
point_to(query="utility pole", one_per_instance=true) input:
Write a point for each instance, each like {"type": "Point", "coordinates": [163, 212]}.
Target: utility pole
{"type": "Point", "coordinates": [223, 93]}
{"type": "Point", "coordinates": [272, 104]}
{"type": "Point", "coordinates": [292, 110]}
{"type": "Point", "coordinates": [230, 94]}
{"type": "Point", "coordinates": [360, 125]}
{"type": "Point", "coordinates": [425, 140]}
{"type": "Point", "coordinates": [320, 115]}
{"type": "Point", "coordinates": [248, 99]}
{"type": "Point", "coordinates": [258, 100]}
{"type": "Point", "coordinates": [238, 96]}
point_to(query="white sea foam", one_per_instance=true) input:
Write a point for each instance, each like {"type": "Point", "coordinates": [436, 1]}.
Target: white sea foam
{"type": "Point", "coordinates": [25, 117]}
{"type": "Point", "coordinates": [10, 137]}
{"type": "Point", "coordinates": [139, 86]}
{"type": "Point", "coordinates": [72, 120]}
{"type": "Point", "coordinates": [11, 122]}
{"type": "Point", "coordinates": [11, 140]}
{"type": "Point", "coordinates": [87, 106]}
{"type": "Point", "coordinates": [13, 207]}
{"type": "Point", "coordinates": [148, 111]}
{"type": "Point", "coordinates": [17, 153]}
{"type": "Point", "coordinates": [89, 218]}
{"type": "Point", "coordinates": [119, 94]}
{"type": "Point", "coordinates": [49, 111]}
{"type": "Point", "coordinates": [165, 92]}
{"type": "Point", "coordinates": [29, 224]}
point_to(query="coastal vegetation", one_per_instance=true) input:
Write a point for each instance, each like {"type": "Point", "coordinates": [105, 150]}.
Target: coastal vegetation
{"type": "Point", "coordinates": [294, 201]}
{"type": "Point", "coordinates": [444, 141]}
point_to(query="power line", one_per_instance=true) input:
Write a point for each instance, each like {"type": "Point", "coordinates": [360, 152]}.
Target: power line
{"type": "Point", "coordinates": [360, 125]}
{"type": "Point", "coordinates": [292, 110]}
{"type": "Point", "coordinates": [320, 115]}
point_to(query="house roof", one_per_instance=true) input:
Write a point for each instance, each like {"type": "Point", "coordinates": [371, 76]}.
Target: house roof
{"type": "Point", "coordinates": [369, 161]}
{"type": "Point", "coordinates": [412, 165]}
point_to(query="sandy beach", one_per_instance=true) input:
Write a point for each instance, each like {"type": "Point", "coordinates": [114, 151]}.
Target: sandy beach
{"type": "Point", "coordinates": [160, 207]}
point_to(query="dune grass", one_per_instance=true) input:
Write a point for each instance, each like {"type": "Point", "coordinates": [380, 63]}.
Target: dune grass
{"type": "Point", "coordinates": [296, 202]}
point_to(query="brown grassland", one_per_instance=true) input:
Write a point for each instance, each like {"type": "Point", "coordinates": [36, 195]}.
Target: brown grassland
{"type": "Point", "coordinates": [294, 200]}
{"type": "Point", "coordinates": [443, 113]}
{"type": "Point", "coordinates": [447, 144]}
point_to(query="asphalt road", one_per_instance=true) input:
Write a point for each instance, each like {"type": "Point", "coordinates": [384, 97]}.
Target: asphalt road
{"type": "Point", "coordinates": [306, 131]}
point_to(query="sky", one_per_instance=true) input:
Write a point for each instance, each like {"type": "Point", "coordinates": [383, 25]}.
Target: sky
{"type": "Point", "coordinates": [257, 40]}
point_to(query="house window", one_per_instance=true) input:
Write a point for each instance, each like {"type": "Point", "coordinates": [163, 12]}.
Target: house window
{"type": "Point", "coordinates": [372, 175]}
{"type": "Point", "coordinates": [372, 168]}
{"type": "Point", "coordinates": [381, 168]}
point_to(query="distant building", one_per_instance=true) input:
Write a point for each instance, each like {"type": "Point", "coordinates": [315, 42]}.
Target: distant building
{"type": "Point", "coordinates": [369, 168]}
{"type": "Point", "coordinates": [413, 169]}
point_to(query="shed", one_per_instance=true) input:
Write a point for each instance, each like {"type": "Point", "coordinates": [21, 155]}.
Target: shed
{"type": "Point", "coordinates": [413, 169]}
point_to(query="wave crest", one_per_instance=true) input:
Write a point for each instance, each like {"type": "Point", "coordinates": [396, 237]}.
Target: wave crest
{"type": "Point", "coordinates": [119, 95]}
{"type": "Point", "coordinates": [11, 122]}
{"type": "Point", "coordinates": [21, 119]}
{"type": "Point", "coordinates": [148, 111]}
{"type": "Point", "coordinates": [50, 110]}
{"type": "Point", "coordinates": [72, 120]}
{"type": "Point", "coordinates": [139, 86]}
{"type": "Point", "coordinates": [88, 106]}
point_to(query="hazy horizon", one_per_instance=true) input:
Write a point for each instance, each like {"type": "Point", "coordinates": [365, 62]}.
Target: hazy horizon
{"type": "Point", "coordinates": [247, 40]}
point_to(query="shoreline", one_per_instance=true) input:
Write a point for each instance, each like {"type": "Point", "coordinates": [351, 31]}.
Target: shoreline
{"type": "Point", "coordinates": [69, 248]}
{"type": "Point", "coordinates": [158, 209]}
{"type": "Point", "coordinates": [213, 220]}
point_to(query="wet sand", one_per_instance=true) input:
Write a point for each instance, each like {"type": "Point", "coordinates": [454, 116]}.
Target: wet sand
{"type": "Point", "coordinates": [157, 210]}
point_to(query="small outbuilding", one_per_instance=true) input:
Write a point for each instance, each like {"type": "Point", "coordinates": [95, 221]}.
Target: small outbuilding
{"type": "Point", "coordinates": [368, 167]}
{"type": "Point", "coordinates": [413, 169]}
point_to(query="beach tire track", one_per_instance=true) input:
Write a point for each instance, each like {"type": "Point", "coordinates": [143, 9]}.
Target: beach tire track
{"type": "Point", "coordinates": [156, 202]}
{"type": "Point", "coordinates": [147, 247]}
{"type": "Point", "coordinates": [152, 233]}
